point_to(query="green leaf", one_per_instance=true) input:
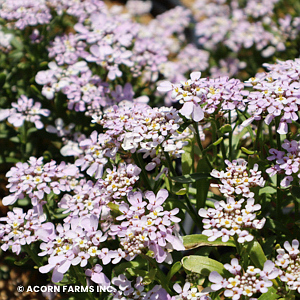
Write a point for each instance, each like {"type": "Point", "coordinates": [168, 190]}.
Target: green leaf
{"type": "Point", "coordinates": [256, 254]}
{"type": "Point", "coordinates": [295, 190]}
{"type": "Point", "coordinates": [175, 268]}
{"type": "Point", "coordinates": [15, 139]}
{"type": "Point", "coordinates": [203, 265]}
{"type": "Point", "coordinates": [23, 202]}
{"type": "Point", "coordinates": [11, 160]}
{"type": "Point", "coordinates": [189, 178]}
{"type": "Point", "coordinates": [225, 128]}
{"type": "Point", "coordinates": [2, 80]}
{"type": "Point", "coordinates": [187, 158]}
{"type": "Point", "coordinates": [218, 141]}
{"type": "Point", "coordinates": [271, 294]}
{"type": "Point", "coordinates": [247, 151]}
{"type": "Point", "coordinates": [17, 43]}
{"type": "Point", "coordinates": [139, 263]}
{"type": "Point", "coordinates": [197, 240]}
{"type": "Point", "coordinates": [22, 262]}
{"type": "Point", "coordinates": [148, 276]}
{"type": "Point", "coordinates": [114, 207]}
{"type": "Point", "coordinates": [202, 185]}
{"type": "Point", "coordinates": [35, 89]}
{"type": "Point", "coordinates": [267, 190]}
{"type": "Point", "coordinates": [181, 191]}
{"type": "Point", "coordinates": [43, 64]}
{"type": "Point", "coordinates": [31, 130]}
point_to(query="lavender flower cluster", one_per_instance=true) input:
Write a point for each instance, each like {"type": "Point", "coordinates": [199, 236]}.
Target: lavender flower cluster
{"type": "Point", "coordinates": [147, 226]}
{"type": "Point", "coordinates": [236, 180]}
{"type": "Point", "coordinates": [36, 180]}
{"type": "Point", "coordinates": [242, 25]}
{"type": "Point", "coordinates": [25, 110]}
{"type": "Point", "coordinates": [288, 261]}
{"type": "Point", "coordinates": [275, 95]}
{"type": "Point", "coordinates": [287, 162]}
{"type": "Point", "coordinates": [230, 219]}
{"type": "Point", "coordinates": [203, 97]}
{"type": "Point", "coordinates": [136, 128]}
{"type": "Point", "coordinates": [244, 283]}
{"type": "Point", "coordinates": [20, 229]}
{"type": "Point", "coordinates": [111, 211]}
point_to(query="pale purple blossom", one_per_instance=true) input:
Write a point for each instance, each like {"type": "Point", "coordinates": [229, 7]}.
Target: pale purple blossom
{"type": "Point", "coordinates": [25, 110]}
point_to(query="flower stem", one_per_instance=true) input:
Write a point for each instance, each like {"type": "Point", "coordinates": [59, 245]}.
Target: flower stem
{"type": "Point", "coordinates": [33, 255]}
{"type": "Point", "coordinates": [200, 145]}
{"type": "Point", "coordinates": [144, 174]}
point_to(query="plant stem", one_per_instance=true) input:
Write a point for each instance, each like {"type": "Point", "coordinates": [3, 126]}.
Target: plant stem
{"type": "Point", "coordinates": [222, 143]}
{"type": "Point", "coordinates": [258, 134]}
{"type": "Point", "coordinates": [144, 174]}
{"type": "Point", "coordinates": [230, 136]}
{"type": "Point", "coordinates": [33, 255]}
{"type": "Point", "coordinates": [169, 162]}
{"type": "Point", "coordinates": [200, 145]}
{"type": "Point", "coordinates": [278, 176]}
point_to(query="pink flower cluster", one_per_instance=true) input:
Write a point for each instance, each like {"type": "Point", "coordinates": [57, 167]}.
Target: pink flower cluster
{"type": "Point", "coordinates": [201, 96]}
{"type": "Point", "coordinates": [230, 218]}
{"type": "Point", "coordinates": [245, 283]}
{"type": "Point", "coordinates": [67, 49]}
{"type": "Point", "coordinates": [82, 10]}
{"type": "Point", "coordinates": [20, 229]}
{"type": "Point", "coordinates": [190, 59]}
{"type": "Point", "coordinates": [35, 180]}
{"type": "Point", "coordinates": [87, 198]}
{"type": "Point", "coordinates": [276, 95]}
{"type": "Point", "coordinates": [25, 13]}
{"type": "Point", "coordinates": [120, 181]}
{"type": "Point", "coordinates": [288, 260]}
{"type": "Point", "coordinates": [287, 162]}
{"type": "Point", "coordinates": [142, 129]}
{"type": "Point", "coordinates": [237, 180]}
{"type": "Point", "coordinates": [24, 110]}
{"type": "Point", "coordinates": [188, 292]}
{"type": "Point", "coordinates": [239, 25]}
{"type": "Point", "coordinates": [77, 82]}
{"type": "Point", "coordinates": [71, 245]}
{"type": "Point", "coordinates": [147, 226]}
{"type": "Point", "coordinates": [125, 290]}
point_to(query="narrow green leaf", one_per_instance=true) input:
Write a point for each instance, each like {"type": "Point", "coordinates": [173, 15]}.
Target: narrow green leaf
{"type": "Point", "coordinates": [187, 158]}
{"type": "Point", "coordinates": [218, 141]}
{"type": "Point", "coordinates": [15, 139]}
{"type": "Point", "coordinates": [256, 254]}
{"type": "Point", "coordinates": [22, 262]}
{"type": "Point", "coordinates": [202, 185]}
{"type": "Point", "coordinates": [203, 265]}
{"type": "Point", "coordinates": [197, 240]}
{"type": "Point", "coordinates": [43, 64]}
{"type": "Point", "coordinates": [295, 190]}
{"type": "Point", "coordinates": [35, 89]}
{"type": "Point", "coordinates": [189, 178]}
{"type": "Point", "coordinates": [181, 191]}
{"type": "Point", "coordinates": [175, 268]}
{"type": "Point", "coordinates": [247, 151]}
{"type": "Point", "coordinates": [2, 80]}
